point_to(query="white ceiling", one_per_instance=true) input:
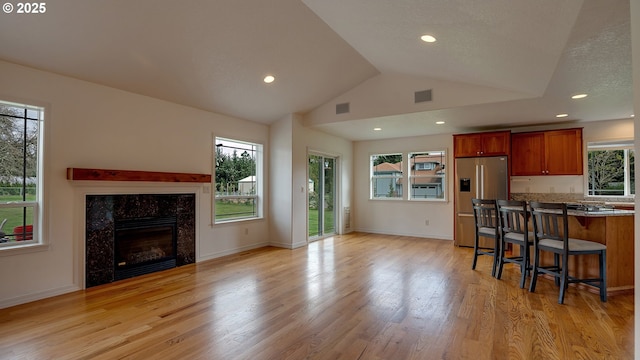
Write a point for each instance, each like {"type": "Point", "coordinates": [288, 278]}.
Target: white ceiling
{"type": "Point", "coordinates": [497, 63]}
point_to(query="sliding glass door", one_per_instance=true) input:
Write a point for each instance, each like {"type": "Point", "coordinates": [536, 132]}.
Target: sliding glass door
{"type": "Point", "coordinates": [322, 200]}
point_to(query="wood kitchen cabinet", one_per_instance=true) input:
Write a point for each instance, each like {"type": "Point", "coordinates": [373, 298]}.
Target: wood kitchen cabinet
{"type": "Point", "coordinates": [554, 152]}
{"type": "Point", "coordinates": [482, 144]}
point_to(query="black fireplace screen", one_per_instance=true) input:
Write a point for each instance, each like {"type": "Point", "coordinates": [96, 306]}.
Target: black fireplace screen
{"type": "Point", "coordinates": [144, 245]}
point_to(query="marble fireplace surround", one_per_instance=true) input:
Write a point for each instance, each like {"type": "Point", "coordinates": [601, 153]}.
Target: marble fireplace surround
{"type": "Point", "coordinates": [103, 210]}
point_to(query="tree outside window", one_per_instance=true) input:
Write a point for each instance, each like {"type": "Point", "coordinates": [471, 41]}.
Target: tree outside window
{"type": "Point", "coordinates": [611, 169]}
{"type": "Point", "coordinates": [20, 148]}
{"type": "Point", "coordinates": [237, 180]}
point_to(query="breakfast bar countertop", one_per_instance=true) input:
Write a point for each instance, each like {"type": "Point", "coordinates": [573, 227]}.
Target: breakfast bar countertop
{"type": "Point", "coordinates": [600, 212]}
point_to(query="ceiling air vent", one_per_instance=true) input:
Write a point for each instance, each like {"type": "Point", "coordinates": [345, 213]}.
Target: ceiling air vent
{"type": "Point", "coordinates": [422, 96]}
{"type": "Point", "coordinates": [342, 108]}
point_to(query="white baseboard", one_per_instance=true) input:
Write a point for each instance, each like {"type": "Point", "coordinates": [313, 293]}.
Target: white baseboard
{"type": "Point", "coordinates": [421, 235]}
{"type": "Point", "coordinates": [23, 299]}
{"type": "Point", "coordinates": [299, 244]}
{"type": "Point", "coordinates": [231, 251]}
{"type": "Point", "coordinates": [283, 245]}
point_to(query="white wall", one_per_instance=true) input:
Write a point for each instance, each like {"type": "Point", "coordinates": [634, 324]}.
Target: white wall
{"type": "Point", "coordinates": [89, 125]}
{"type": "Point", "coordinates": [391, 94]}
{"type": "Point", "coordinates": [402, 217]}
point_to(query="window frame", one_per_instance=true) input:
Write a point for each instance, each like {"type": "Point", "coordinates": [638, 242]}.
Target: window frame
{"type": "Point", "coordinates": [626, 146]}
{"type": "Point", "coordinates": [373, 177]}
{"type": "Point", "coordinates": [411, 176]}
{"type": "Point", "coordinates": [406, 178]}
{"type": "Point", "coordinates": [37, 242]}
{"type": "Point", "coordinates": [258, 195]}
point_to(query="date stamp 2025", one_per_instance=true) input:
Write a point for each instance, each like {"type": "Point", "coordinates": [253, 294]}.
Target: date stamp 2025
{"type": "Point", "coordinates": [25, 8]}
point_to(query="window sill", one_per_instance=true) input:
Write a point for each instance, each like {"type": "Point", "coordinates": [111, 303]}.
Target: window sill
{"type": "Point", "coordinates": [22, 249]}
{"type": "Point", "coordinates": [429, 200]}
{"type": "Point", "coordinates": [410, 200]}
{"type": "Point", "coordinates": [235, 221]}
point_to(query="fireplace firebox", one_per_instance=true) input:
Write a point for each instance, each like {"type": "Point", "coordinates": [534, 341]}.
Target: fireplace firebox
{"type": "Point", "coordinates": [144, 245]}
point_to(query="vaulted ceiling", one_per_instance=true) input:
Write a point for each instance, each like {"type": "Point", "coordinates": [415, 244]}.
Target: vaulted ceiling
{"type": "Point", "coordinates": [495, 64]}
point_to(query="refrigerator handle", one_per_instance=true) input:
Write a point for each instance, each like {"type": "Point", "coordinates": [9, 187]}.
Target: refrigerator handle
{"type": "Point", "coordinates": [478, 182]}
{"type": "Point", "coordinates": [482, 179]}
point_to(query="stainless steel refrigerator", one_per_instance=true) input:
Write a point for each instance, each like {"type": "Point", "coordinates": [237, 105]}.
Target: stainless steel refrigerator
{"type": "Point", "coordinates": [482, 178]}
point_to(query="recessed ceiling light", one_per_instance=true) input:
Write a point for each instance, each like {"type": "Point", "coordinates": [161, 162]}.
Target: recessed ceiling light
{"type": "Point", "coordinates": [632, 115]}
{"type": "Point", "coordinates": [439, 122]}
{"type": "Point", "coordinates": [269, 79]}
{"type": "Point", "coordinates": [377, 129]}
{"type": "Point", "coordinates": [562, 115]}
{"type": "Point", "coordinates": [428, 38]}
{"type": "Point", "coordinates": [579, 96]}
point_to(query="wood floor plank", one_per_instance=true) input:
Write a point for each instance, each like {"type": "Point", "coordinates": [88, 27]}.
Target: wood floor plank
{"type": "Point", "coordinates": [356, 296]}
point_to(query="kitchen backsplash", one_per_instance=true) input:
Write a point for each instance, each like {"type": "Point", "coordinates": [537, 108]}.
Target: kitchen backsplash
{"type": "Point", "coordinates": [569, 188]}
{"type": "Point", "coordinates": [572, 184]}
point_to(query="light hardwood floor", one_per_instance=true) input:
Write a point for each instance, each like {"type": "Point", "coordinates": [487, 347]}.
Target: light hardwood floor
{"type": "Point", "coordinates": [357, 296]}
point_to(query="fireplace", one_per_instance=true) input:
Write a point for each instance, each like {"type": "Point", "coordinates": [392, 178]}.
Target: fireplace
{"type": "Point", "coordinates": [134, 234]}
{"type": "Point", "coordinates": [144, 245]}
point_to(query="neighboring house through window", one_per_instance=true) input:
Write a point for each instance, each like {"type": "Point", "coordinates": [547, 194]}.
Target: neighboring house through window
{"type": "Point", "coordinates": [21, 128]}
{"type": "Point", "coordinates": [427, 175]}
{"type": "Point", "coordinates": [238, 180]}
{"type": "Point", "coordinates": [386, 176]}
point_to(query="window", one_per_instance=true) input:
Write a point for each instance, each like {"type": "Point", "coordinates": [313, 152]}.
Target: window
{"type": "Point", "coordinates": [427, 175]}
{"type": "Point", "coordinates": [424, 173]}
{"type": "Point", "coordinates": [386, 176]}
{"type": "Point", "coordinates": [611, 168]}
{"type": "Point", "coordinates": [238, 180]}
{"type": "Point", "coordinates": [20, 174]}
{"type": "Point", "coordinates": [425, 166]}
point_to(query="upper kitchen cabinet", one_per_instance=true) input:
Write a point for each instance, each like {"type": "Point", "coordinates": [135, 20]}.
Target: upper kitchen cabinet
{"type": "Point", "coordinates": [555, 152]}
{"type": "Point", "coordinates": [482, 144]}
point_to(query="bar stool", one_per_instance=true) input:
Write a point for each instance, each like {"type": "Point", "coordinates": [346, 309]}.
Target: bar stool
{"type": "Point", "coordinates": [551, 228]}
{"type": "Point", "coordinates": [485, 214]}
{"type": "Point", "coordinates": [514, 229]}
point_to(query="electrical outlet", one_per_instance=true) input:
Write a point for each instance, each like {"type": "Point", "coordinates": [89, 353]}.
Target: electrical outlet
{"type": "Point", "coordinates": [552, 189]}
{"type": "Point", "coordinates": [246, 231]}
{"type": "Point", "coordinates": [426, 222]}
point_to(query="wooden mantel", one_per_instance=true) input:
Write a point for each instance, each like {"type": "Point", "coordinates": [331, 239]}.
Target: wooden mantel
{"type": "Point", "coordinates": [76, 174]}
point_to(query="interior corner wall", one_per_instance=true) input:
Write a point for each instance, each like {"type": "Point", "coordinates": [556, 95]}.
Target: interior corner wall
{"type": "Point", "coordinates": [94, 126]}
{"type": "Point", "coordinates": [280, 180]}
{"type": "Point", "coordinates": [299, 189]}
